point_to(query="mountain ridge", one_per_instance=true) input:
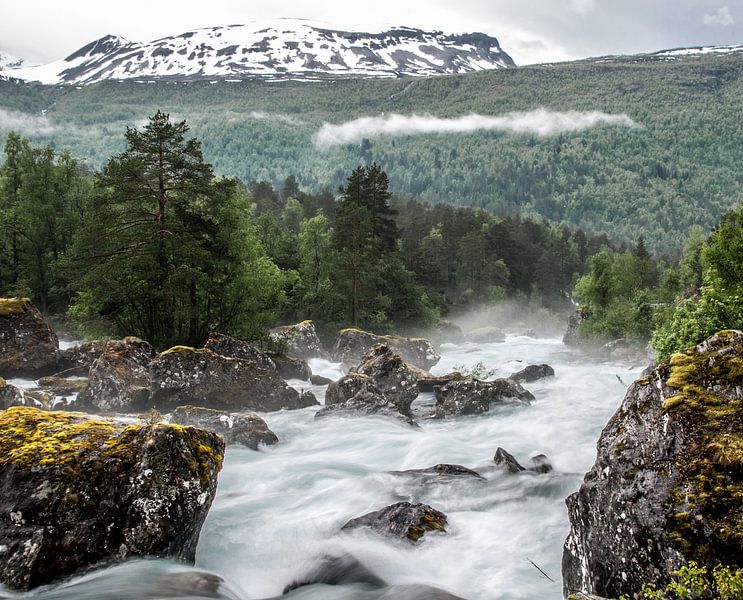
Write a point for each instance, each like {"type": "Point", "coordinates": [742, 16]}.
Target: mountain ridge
{"type": "Point", "coordinates": [286, 49]}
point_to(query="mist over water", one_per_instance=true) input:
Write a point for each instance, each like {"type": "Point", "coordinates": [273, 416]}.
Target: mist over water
{"type": "Point", "coordinates": [279, 510]}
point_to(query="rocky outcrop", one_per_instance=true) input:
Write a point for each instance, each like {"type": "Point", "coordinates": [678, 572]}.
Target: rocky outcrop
{"type": "Point", "coordinates": [484, 335]}
{"type": "Point", "coordinates": [76, 491]}
{"type": "Point", "coordinates": [666, 485]}
{"type": "Point", "coordinates": [474, 396]}
{"type": "Point", "coordinates": [28, 346]}
{"type": "Point", "coordinates": [532, 373]}
{"type": "Point", "coordinates": [356, 394]}
{"type": "Point", "coordinates": [236, 428]}
{"type": "Point", "coordinates": [182, 376]}
{"type": "Point", "coordinates": [352, 344]}
{"type": "Point", "coordinates": [298, 341]}
{"type": "Point", "coordinates": [539, 463]}
{"type": "Point", "coordinates": [119, 379]}
{"type": "Point", "coordinates": [402, 520]}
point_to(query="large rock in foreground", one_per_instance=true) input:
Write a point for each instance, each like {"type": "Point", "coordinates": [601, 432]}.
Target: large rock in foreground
{"type": "Point", "coordinates": [474, 396]}
{"type": "Point", "coordinates": [667, 484]}
{"type": "Point", "coordinates": [28, 346]}
{"type": "Point", "coordinates": [76, 491]}
{"type": "Point", "coordinates": [236, 428]}
{"type": "Point", "coordinates": [182, 375]}
{"type": "Point", "coordinates": [352, 344]}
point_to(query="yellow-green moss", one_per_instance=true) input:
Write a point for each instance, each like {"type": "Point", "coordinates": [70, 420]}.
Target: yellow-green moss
{"type": "Point", "coordinates": [176, 349]}
{"type": "Point", "coordinates": [13, 306]}
{"type": "Point", "coordinates": [428, 522]}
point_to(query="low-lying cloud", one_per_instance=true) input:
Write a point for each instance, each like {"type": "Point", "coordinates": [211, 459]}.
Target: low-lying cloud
{"type": "Point", "coordinates": [11, 120]}
{"type": "Point", "coordinates": [538, 122]}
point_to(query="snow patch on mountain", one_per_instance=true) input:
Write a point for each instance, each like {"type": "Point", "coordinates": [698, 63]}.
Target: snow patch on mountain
{"type": "Point", "coordinates": [281, 49]}
{"type": "Point", "coordinates": [8, 61]}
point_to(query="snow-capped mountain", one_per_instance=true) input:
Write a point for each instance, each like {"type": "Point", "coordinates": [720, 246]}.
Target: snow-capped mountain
{"type": "Point", "coordinates": [8, 61]}
{"type": "Point", "coordinates": [282, 49]}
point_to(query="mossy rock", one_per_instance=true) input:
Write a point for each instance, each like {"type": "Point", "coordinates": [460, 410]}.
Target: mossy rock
{"type": "Point", "coordinates": [13, 306]}
{"type": "Point", "coordinates": [75, 491]}
{"type": "Point", "coordinates": [28, 346]}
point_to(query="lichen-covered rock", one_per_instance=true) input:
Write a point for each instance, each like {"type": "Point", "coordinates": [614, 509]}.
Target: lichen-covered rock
{"type": "Point", "coordinates": [236, 428]}
{"type": "Point", "coordinates": [532, 373]}
{"type": "Point", "coordinates": [10, 395]}
{"type": "Point", "coordinates": [483, 335]}
{"type": "Point", "coordinates": [391, 376]}
{"type": "Point", "coordinates": [428, 382]}
{"type": "Point", "coordinates": [298, 341]}
{"type": "Point", "coordinates": [667, 484]}
{"type": "Point", "coordinates": [182, 376]}
{"type": "Point", "coordinates": [352, 344]}
{"type": "Point", "coordinates": [77, 360]}
{"type": "Point", "coordinates": [356, 394]}
{"type": "Point", "coordinates": [60, 386]}
{"type": "Point", "coordinates": [119, 379]}
{"type": "Point", "coordinates": [28, 346]}
{"type": "Point", "coordinates": [402, 520]}
{"type": "Point", "coordinates": [76, 491]}
{"type": "Point", "coordinates": [234, 348]}
{"type": "Point", "coordinates": [474, 396]}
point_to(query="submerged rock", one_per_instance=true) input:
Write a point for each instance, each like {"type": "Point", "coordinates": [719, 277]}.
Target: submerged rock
{"type": "Point", "coordinates": [28, 346]}
{"type": "Point", "coordinates": [298, 341]}
{"type": "Point", "coordinates": [402, 520]}
{"type": "Point", "coordinates": [336, 570]}
{"type": "Point", "coordinates": [537, 464]}
{"type": "Point", "coordinates": [440, 471]}
{"type": "Point", "coordinates": [76, 491]}
{"type": "Point", "coordinates": [352, 344]}
{"type": "Point", "coordinates": [119, 379]}
{"type": "Point", "coordinates": [244, 429]}
{"type": "Point", "coordinates": [666, 485]}
{"type": "Point", "coordinates": [532, 373]}
{"type": "Point", "coordinates": [473, 396]}
{"type": "Point", "coordinates": [486, 334]}
{"type": "Point", "coordinates": [182, 376]}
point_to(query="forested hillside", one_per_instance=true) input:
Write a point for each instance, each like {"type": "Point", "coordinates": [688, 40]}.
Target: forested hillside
{"type": "Point", "coordinates": [681, 166]}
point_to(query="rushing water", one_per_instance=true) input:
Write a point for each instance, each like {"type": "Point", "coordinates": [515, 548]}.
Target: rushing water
{"type": "Point", "coordinates": [279, 509]}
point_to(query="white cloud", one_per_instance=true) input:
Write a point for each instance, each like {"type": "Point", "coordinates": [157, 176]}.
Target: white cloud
{"type": "Point", "coordinates": [11, 120]}
{"type": "Point", "coordinates": [723, 17]}
{"type": "Point", "coordinates": [538, 122]}
{"type": "Point", "coordinates": [582, 7]}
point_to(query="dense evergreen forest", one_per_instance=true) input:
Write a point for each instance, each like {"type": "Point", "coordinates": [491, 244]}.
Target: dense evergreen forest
{"type": "Point", "coordinates": [680, 168]}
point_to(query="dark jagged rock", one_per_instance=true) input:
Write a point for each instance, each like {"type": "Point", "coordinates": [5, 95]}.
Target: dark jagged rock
{"type": "Point", "coordinates": [486, 334]}
{"type": "Point", "coordinates": [571, 335]}
{"type": "Point", "coordinates": [226, 345]}
{"type": "Point", "coordinates": [10, 395]}
{"type": "Point", "coordinates": [355, 395]}
{"type": "Point", "coordinates": [244, 429]}
{"type": "Point", "coordinates": [540, 464]}
{"type": "Point", "coordinates": [390, 374]}
{"type": "Point", "coordinates": [428, 382]}
{"type": "Point", "coordinates": [506, 460]}
{"type": "Point", "coordinates": [473, 396]}
{"type": "Point", "coordinates": [77, 360]}
{"type": "Point", "coordinates": [182, 376]}
{"type": "Point", "coordinates": [28, 346]}
{"type": "Point", "coordinates": [298, 341]}
{"type": "Point", "coordinates": [666, 485]}
{"type": "Point", "coordinates": [320, 380]}
{"type": "Point", "coordinates": [119, 378]}
{"type": "Point", "coordinates": [336, 570]}
{"type": "Point", "coordinates": [402, 520]}
{"type": "Point", "coordinates": [76, 491]}
{"type": "Point", "coordinates": [352, 344]}
{"type": "Point", "coordinates": [532, 373]}
{"type": "Point", "coordinates": [440, 471]}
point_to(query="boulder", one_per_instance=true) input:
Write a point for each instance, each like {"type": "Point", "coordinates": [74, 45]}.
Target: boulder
{"type": "Point", "coordinates": [352, 344]}
{"type": "Point", "coordinates": [428, 382]}
{"type": "Point", "coordinates": [441, 472]}
{"type": "Point", "coordinates": [538, 463]}
{"type": "Point", "coordinates": [356, 394]}
{"type": "Point", "coordinates": [75, 492]}
{"type": "Point", "coordinates": [298, 341]}
{"type": "Point", "coordinates": [77, 360]}
{"type": "Point", "coordinates": [28, 346]}
{"type": "Point", "coordinates": [666, 485]}
{"type": "Point", "coordinates": [236, 428]}
{"type": "Point", "coordinates": [119, 379]}
{"type": "Point", "coordinates": [336, 570]}
{"type": "Point", "coordinates": [447, 332]}
{"type": "Point", "coordinates": [60, 386]}
{"type": "Point", "coordinates": [574, 321]}
{"type": "Point", "coordinates": [320, 380]}
{"type": "Point", "coordinates": [292, 368]}
{"type": "Point", "coordinates": [402, 520]}
{"type": "Point", "coordinates": [391, 376]}
{"type": "Point", "coordinates": [483, 335]}
{"type": "Point", "coordinates": [182, 376]}
{"type": "Point", "coordinates": [474, 396]}
{"type": "Point", "coordinates": [10, 395]}
{"type": "Point", "coordinates": [532, 373]}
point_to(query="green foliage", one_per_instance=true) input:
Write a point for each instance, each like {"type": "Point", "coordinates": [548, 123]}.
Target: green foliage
{"type": "Point", "coordinates": [695, 582]}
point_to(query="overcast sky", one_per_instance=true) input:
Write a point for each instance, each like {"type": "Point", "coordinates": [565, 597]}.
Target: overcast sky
{"type": "Point", "coordinates": [530, 30]}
